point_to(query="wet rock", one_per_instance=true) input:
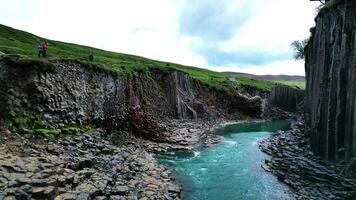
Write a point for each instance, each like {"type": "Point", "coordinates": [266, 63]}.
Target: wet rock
{"type": "Point", "coordinates": [174, 189]}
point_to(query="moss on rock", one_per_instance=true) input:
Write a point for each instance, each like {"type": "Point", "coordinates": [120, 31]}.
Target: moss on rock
{"type": "Point", "coordinates": [48, 133]}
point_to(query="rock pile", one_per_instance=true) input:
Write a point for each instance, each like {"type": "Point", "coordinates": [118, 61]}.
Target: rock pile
{"type": "Point", "coordinates": [312, 178]}
{"type": "Point", "coordinates": [91, 166]}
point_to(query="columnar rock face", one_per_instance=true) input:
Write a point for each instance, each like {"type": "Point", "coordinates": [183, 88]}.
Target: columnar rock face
{"type": "Point", "coordinates": [67, 91]}
{"type": "Point", "coordinates": [331, 83]}
{"type": "Point", "coordinates": [285, 97]}
{"type": "Point", "coordinates": [62, 91]}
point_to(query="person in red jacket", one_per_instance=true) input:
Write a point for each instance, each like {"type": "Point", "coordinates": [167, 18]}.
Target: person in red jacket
{"type": "Point", "coordinates": [44, 49]}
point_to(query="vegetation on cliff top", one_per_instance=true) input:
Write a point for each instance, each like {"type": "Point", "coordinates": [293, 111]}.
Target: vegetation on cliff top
{"type": "Point", "coordinates": [330, 5]}
{"type": "Point", "coordinates": [22, 43]}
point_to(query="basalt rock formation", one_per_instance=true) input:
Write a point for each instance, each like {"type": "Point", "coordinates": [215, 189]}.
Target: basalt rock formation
{"type": "Point", "coordinates": [71, 92]}
{"type": "Point", "coordinates": [286, 97]}
{"type": "Point", "coordinates": [331, 82]}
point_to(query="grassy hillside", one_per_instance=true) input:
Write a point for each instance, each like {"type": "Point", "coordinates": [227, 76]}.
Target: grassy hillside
{"type": "Point", "coordinates": [291, 80]}
{"type": "Point", "coordinates": [14, 41]}
{"type": "Point", "coordinates": [298, 84]}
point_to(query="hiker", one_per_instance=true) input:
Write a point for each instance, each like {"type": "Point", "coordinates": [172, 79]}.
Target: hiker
{"type": "Point", "coordinates": [40, 50]}
{"type": "Point", "coordinates": [44, 49]}
{"type": "Point", "coordinates": [91, 57]}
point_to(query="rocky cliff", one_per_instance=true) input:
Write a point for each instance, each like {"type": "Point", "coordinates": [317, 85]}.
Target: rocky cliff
{"type": "Point", "coordinates": [70, 92]}
{"type": "Point", "coordinates": [330, 109]}
{"type": "Point", "coordinates": [286, 97]}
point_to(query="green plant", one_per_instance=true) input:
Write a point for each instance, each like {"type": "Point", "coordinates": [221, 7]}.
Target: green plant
{"type": "Point", "coordinates": [32, 122]}
{"type": "Point", "coordinates": [298, 84]}
{"type": "Point", "coordinates": [48, 133]}
{"type": "Point", "coordinates": [244, 82]}
{"type": "Point", "coordinates": [298, 47]}
{"type": "Point", "coordinates": [71, 130]}
{"type": "Point", "coordinates": [28, 120]}
{"type": "Point", "coordinates": [332, 3]}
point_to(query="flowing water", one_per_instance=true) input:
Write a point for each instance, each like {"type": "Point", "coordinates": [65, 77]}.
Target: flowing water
{"type": "Point", "coordinates": [232, 169]}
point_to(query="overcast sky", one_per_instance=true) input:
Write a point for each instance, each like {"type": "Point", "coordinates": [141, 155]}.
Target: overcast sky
{"type": "Point", "coordinates": [251, 36]}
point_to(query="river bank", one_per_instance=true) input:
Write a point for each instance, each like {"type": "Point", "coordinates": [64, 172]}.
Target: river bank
{"type": "Point", "coordinates": [293, 162]}
{"type": "Point", "coordinates": [91, 166]}
{"type": "Point", "coordinates": [95, 165]}
{"type": "Point", "coordinates": [98, 165]}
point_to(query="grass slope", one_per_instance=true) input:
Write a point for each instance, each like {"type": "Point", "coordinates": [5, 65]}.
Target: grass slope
{"type": "Point", "coordinates": [291, 80]}
{"type": "Point", "coordinates": [13, 41]}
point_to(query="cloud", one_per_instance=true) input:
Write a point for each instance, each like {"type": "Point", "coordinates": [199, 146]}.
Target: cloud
{"type": "Point", "coordinates": [214, 21]}
{"type": "Point", "coordinates": [256, 33]}
{"type": "Point", "coordinates": [233, 34]}
{"type": "Point", "coordinates": [243, 57]}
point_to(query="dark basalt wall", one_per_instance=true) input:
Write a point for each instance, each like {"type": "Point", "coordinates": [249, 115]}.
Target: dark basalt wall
{"type": "Point", "coordinates": [330, 107]}
{"type": "Point", "coordinates": [66, 91]}
{"type": "Point", "coordinates": [286, 97]}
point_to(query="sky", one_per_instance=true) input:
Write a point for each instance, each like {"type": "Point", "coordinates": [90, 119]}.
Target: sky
{"type": "Point", "coordinates": [252, 36]}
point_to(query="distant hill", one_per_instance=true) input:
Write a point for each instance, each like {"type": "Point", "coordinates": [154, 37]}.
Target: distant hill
{"type": "Point", "coordinates": [294, 78]}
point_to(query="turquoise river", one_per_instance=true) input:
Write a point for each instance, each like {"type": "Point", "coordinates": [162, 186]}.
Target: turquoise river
{"type": "Point", "coordinates": [232, 169]}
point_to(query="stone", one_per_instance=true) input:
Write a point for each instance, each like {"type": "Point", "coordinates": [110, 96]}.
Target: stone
{"type": "Point", "coordinates": [101, 198]}
{"type": "Point", "coordinates": [85, 187]}
{"type": "Point", "coordinates": [301, 170]}
{"type": "Point", "coordinates": [83, 196]}
{"type": "Point", "coordinates": [116, 197]}
{"type": "Point", "coordinates": [121, 190]}
{"type": "Point", "coordinates": [174, 189]}
{"type": "Point", "coordinates": [59, 197]}
{"type": "Point", "coordinates": [67, 196]}
{"type": "Point", "coordinates": [43, 192]}
{"type": "Point", "coordinates": [25, 131]}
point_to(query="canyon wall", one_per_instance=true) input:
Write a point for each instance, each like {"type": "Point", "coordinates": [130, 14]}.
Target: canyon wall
{"type": "Point", "coordinates": [70, 92]}
{"type": "Point", "coordinates": [330, 107]}
{"type": "Point", "coordinates": [286, 97]}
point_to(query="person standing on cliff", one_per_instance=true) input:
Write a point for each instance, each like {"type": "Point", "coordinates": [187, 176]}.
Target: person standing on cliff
{"type": "Point", "coordinates": [40, 50]}
{"type": "Point", "coordinates": [44, 49]}
{"type": "Point", "coordinates": [91, 57]}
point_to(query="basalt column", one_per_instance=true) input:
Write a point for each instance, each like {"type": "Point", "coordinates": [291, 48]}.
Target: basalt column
{"type": "Point", "coordinates": [330, 83]}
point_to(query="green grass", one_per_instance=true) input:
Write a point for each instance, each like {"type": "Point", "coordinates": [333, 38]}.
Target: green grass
{"type": "Point", "coordinates": [18, 42]}
{"type": "Point", "coordinates": [260, 84]}
{"type": "Point", "coordinates": [48, 133]}
{"type": "Point", "coordinates": [298, 84]}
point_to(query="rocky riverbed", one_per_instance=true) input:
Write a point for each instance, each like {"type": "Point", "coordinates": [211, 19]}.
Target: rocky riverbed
{"type": "Point", "coordinates": [91, 166]}
{"type": "Point", "coordinates": [311, 177]}
{"type": "Point", "coordinates": [185, 135]}
{"type": "Point", "coordinates": [95, 165]}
